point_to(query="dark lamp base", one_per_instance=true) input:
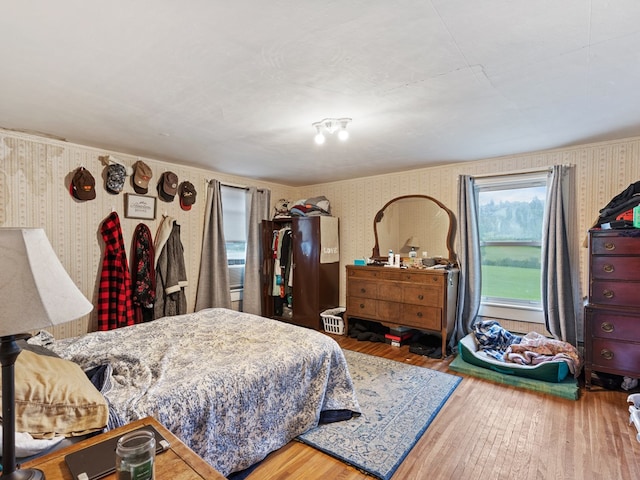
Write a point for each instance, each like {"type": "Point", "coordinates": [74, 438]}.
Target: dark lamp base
{"type": "Point", "coordinates": [26, 474]}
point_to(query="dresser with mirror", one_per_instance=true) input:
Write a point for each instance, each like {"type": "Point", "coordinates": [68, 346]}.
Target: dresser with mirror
{"type": "Point", "coordinates": [423, 293]}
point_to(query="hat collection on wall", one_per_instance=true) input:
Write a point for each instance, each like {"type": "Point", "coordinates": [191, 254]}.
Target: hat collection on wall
{"type": "Point", "coordinates": [83, 184]}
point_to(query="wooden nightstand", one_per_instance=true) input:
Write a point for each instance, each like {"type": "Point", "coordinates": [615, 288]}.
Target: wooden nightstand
{"type": "Point", "coordinates": [177, 463]}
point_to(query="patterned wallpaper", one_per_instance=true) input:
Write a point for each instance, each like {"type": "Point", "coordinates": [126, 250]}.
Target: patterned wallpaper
{"type": "Point", "coordinates": [35, 173]}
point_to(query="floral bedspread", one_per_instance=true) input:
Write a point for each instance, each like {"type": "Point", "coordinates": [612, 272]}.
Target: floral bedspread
{"type": "Point", "coordinates": [233, 386]}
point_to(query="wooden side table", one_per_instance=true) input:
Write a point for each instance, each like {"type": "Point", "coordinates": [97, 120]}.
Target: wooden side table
{"type": "Point", "coordinates": [177, 463]}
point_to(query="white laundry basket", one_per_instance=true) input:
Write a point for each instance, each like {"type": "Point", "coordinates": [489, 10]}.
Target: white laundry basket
{"type": "Point", "coordinates": [332, 320]}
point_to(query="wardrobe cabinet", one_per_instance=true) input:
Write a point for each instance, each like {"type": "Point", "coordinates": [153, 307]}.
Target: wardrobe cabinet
{"type": "Point", "coordinates": [315, 285]}
{"type": "Point", "coordinates": [612, 315]}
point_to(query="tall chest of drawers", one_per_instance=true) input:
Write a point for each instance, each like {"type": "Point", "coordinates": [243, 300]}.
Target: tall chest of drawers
{"type": "Point", "coordinates": [421, 299]}
{"type": "Point", "coordinates": [612, 315]}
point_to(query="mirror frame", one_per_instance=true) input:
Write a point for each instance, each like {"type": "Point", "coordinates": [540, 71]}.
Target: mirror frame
{"type": "Point", "coordinates": [375, 254]}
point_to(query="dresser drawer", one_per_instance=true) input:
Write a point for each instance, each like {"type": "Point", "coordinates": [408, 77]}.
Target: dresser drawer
{"type": "Point", "coordinates": [613, 325]}
{"type": "Point", "coordinates": [364, 272]}
{"type": "Point", "coordinates": [422, 295]}
{"type": "Point", "coordinates": [615, 293]}
{"type": "Point", "coordinates": [363, 288]}
{"type": "Point", "coordinates": [417, 316]}
{"type": "Point", "coordinates": [390, 291]}
{"type": "Point", "coordinates": [617, 244]}
{"type": "Point", "coordinates": [616, 355]}
{"type": "Point", "coordinates": [360, 306]}
{"type": "Point", "coordinates": [396, 275]}
{"type": "Point", "coordinates": [408, 276]}
{"type": "Point", "coordinates": [389, 311]}
{"type": "Point", "coordinates": [615, 268]}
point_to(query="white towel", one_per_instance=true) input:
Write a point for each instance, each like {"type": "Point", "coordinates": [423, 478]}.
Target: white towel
{"type": "Point", "coordinates": [329, 240]}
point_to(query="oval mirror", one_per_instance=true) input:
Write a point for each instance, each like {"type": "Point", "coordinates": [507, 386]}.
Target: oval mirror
{"type": "Point", "coordinates": [417, 221]}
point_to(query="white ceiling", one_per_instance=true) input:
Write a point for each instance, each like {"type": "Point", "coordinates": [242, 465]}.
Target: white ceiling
{"type": "Point", "coordinates": [234, 86]}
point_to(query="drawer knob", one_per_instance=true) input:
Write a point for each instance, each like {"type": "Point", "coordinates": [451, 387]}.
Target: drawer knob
{"type": "Point", "coordinates": [607, 294]}
{"type": "Point", "coordinates": [606, 354]}
{"type": "Point", "coordinates": [362, 305]}
{"type": "Point", "coordinates": [363, 290]}
{"type": "Point", "coordinates": [609, 246]}
{"type": "Point", "coordinates": [608, 268]}
{"type": "Point", "coordinates": [419, 314]}
{"type": "Point", "coordinates": [420, 297]}
{"type": "Point", "coordinates": [607, 327]}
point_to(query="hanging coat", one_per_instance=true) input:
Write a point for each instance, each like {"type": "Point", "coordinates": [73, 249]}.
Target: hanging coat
{"type": "Point", "coordinates": [115, 308]}
{"type": "Point", "coordinates": [143, 273]}
{"type": "Point", "coordinates": [171, 273]}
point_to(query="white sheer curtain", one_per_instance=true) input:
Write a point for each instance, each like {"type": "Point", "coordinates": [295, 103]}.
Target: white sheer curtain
{"type": "Point", "coordinates": [258, 206]}
{"type": "Point", "coordinates": [213, 282]}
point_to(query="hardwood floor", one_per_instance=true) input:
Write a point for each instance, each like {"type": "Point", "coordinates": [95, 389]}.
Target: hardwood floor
{"type": "Point", "coordinates": [491, 431]}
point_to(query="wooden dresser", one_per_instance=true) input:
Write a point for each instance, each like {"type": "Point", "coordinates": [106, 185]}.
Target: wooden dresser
{"type": "Point", "coordinates": [612, 315]}
{"type": "Point", "coordinates": [416, 298]}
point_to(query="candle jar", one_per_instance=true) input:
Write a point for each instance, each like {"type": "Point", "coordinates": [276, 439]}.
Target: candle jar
{"type": "Point", "coordinates": [135, 456]}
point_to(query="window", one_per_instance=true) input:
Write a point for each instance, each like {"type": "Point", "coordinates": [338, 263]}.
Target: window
{"type": "Point", "coordinates": [510, 217]}
{"type": "Point", "coordinates": [234, 215]}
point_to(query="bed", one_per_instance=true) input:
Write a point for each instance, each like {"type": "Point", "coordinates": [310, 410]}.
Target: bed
{"type": "Point", "coordinates": [232, 386]}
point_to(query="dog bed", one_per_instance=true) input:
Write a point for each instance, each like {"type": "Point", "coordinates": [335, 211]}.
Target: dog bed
{"type": "Point", "coordinates": [552, 371]}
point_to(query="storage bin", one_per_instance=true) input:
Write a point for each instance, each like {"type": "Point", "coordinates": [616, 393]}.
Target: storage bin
{"type": "Point", "coordinates": [332, 320]}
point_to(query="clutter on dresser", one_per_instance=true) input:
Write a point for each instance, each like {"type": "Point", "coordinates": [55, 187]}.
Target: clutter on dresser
{"type": "Point", "coordinates": [621, 210]}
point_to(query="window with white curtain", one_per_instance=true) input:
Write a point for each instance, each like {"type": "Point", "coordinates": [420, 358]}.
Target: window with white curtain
{"type": "Point", "coordinates": [510, 217]}
{"type": "Point", "coordinates": [234, 214]}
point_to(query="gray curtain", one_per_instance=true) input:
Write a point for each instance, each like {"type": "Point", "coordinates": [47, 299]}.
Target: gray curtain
{"type": "Point", "coordinates": [561, 298]}
{"type": "Point", "coordinates": [213, 282]}
{"type": "Point", "coordinates": [470, 283]}
{"type": "Point", "coordinates": [258, 206]}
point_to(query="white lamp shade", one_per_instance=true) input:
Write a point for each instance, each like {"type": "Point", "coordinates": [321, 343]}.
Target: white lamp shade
{"type": "Point", "coordinates": [35, 289]}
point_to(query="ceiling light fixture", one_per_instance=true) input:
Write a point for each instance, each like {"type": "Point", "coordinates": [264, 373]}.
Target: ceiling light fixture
{"type": "Point", "coordinates": [331, 125]}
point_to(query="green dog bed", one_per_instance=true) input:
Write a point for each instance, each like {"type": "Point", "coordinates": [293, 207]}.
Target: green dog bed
{"type": "Point", "coordinates": [554, 371]}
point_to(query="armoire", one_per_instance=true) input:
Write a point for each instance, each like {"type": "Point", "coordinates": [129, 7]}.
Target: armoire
{"type": "Point", "coordinates": [314, 269]}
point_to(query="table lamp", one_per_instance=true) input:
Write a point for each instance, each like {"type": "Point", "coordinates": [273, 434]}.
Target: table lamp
{"type": "Point", "coordinates": [35, 292]}
{"type": "Point", "coordinates": [413, 243]}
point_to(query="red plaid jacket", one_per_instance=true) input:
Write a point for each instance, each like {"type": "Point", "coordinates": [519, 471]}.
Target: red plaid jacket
{"type": "Point", "coordinates": [115, 307]}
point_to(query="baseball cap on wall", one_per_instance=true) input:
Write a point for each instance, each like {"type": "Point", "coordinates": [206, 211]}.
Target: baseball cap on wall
{"type": "Point", "coordinates": [168, 186]}
{"type": "Point", "coordinates": [187, 195]}
{"type": "Point", "coordinates": [83, 185]}
{"type": "Point", "coordinates": [116, 173]}
{"type": "Point", "coordinates": [141, 176]}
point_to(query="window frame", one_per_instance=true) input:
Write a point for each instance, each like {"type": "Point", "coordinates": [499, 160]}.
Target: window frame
{"type": "Point", "coordinates": [511, 309]}
{"type": "Point", "coordinates": [236, 292]}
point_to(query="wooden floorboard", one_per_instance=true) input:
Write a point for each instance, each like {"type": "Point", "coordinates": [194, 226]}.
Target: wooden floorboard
{"type": "Point", "coordinates": [487, 431]}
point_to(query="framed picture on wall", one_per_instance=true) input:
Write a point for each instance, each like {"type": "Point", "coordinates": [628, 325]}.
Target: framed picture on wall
{"type": "Point", "coordinates": [139, 206]}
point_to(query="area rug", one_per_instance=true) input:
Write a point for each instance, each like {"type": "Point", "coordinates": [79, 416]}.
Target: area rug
{"type": "Point", "coordinates": [568, 388]}
{"type": "Point", "coordinates": [398, 403]}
